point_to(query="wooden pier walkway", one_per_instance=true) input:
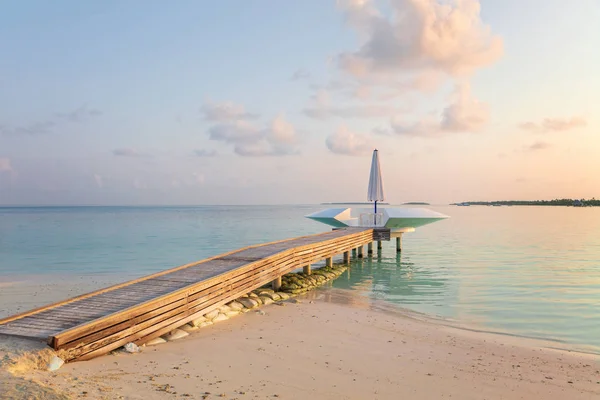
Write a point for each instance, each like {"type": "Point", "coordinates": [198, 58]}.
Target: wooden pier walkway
{"type": "Point", "coordinates": [137, 311]}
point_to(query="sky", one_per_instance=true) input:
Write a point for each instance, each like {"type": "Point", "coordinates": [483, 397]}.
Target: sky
{"type": "Point", "coordinates": [282, 102]}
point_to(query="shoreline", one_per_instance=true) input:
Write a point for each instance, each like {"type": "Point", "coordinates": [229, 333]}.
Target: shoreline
{"type": "Point", "coordinates": [332, 339]}
{"type": "Point", "coordinates": [466, 326]}
{"type": "Point", "coordinates": [44, 292]}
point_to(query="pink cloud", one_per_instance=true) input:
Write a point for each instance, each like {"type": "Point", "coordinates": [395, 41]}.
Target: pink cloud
{"type": "Point", "coordinates": [554, 125]}
{"type": "Point", "coordinates": [277, 138]}
{"type": "Point", "coordinates": [538, 146]}
{"type": "Point", "coordinates": [464, 114]}
{"type": "Point", "coordinates": [349, 143]}
{"type": "Point", "coordinates": [420, 34]}
{"type": "Point", "coordinates": [226, 111]}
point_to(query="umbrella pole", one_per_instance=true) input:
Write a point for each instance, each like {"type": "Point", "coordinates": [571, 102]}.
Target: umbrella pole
{"type": "Point", "coordinates": [375, 206]}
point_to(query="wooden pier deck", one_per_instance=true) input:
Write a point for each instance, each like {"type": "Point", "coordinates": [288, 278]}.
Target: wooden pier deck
{"type": "Point", "coordinates": [140, 310]}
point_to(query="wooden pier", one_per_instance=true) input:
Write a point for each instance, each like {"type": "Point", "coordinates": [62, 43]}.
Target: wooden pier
{"type": "Point", "coordinates": [140, 310]}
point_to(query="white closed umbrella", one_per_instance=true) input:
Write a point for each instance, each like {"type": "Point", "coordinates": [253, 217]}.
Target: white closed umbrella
{"type": "Point", "coordinates": [375, 181]}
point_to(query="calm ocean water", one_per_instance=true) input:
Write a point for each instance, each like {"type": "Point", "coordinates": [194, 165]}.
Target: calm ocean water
{"type": "Point", "coordinates": [531, 271]}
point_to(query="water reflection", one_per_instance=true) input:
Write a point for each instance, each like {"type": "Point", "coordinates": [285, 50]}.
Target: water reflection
{"type": "Point", "coordinates": [392, 276]}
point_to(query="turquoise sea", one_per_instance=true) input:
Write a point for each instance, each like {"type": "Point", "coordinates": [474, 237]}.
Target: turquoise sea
{"type": "Point", "coordinates": [528, 271]}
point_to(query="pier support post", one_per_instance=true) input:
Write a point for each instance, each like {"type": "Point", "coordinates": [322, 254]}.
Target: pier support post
{"type": "Point", "coordinates": [276, 284]}
{"type": "Point", "coordinates": [379, 246]}
{"type": "Point", "coordinates": [360, 251]}
{"type": "Point", "coordinates": [329, 262]}
{"type": "Point", "coordinates": [307, 270]}
{"type": "Point", "coordinates": [370, 249]}
{"type": "Point", "coordinates": [399, 244]}
{"type": "Point", "coordinates": [346, 257]}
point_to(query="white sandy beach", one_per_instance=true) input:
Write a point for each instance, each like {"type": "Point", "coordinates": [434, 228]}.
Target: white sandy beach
{"type": "Point", "coordinates": [345, 349]}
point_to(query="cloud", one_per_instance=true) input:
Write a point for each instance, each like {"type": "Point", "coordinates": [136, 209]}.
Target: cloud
{"type": "Point", "coordinates": [322, 108]}
{"type": "Point", "coordinates": [529, 126]}
{"type": "Point", "coordinates": [383, 87]}
{"type": "Point", "coordinates": [281, 131]}
{"type": "Point", "coordinates": [278, 139]}
{"type": "Point", "coordinates": [78, 115]}
{"type": "Point", "coordinates": [406, 46]}
{"type": "Point", "coordinates": [128, 152]}
{"type": "Point", "coordinates": [205, 153]}
{"type": "Point", "coordinates": [447, 36]}
{"type": "Point", "coordinates": [538, 146]}
{"type": "Point", "coordinates": [36, 128]}
{"type": "Point", "coordinates": [554, 125]}
{"type": "Point", "coordinates": [345, 142]}
{"type": "Point", "coordinates": [248, 138]}
{"type": "Point", "coordinates": [5, 165]}
{"type": "Point", "coordinates": [235, 132]}
{"type": "Point", "coordinates": [356, 111]}
{"type": "Point", "coordinates": [300, 75]}
{"type": "Point", "coordinates": [464, 114]}
{"type": "Point", "coordinates": [262, 149]}
{"type": "Point", "coordinates": [424, 127]}
{"type": "Point", "coordinates": [225, 112]}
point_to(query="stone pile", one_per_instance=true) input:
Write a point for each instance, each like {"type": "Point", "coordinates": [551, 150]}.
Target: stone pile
{"type": "Point", "coordinates": [295, 284]}
{"type": "Point", "coordinates": [292, 284]}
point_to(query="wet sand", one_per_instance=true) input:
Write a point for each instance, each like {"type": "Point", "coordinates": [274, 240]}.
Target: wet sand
{"type": "Point", "coordinates": [335, 347]}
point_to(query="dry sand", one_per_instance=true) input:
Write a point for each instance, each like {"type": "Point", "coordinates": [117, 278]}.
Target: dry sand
{"type": "Point", "coordinates": [328, 350]}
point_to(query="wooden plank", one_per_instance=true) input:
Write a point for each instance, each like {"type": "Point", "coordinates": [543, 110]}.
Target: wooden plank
{"type": "Point", "coordinates": [202, 311]}
{"type": "Point", "coordinates": [220, 283]}
{"type": "Point", "coordinates": [35, 325]}
{"type": "Point", "coordinates": [234, 296]}
{"type": "Point", "coordinates": [101, 323]}
{"type": "Point", "coordinates": [34, 322]}
{"type": "Point", "coordinates": [223, 297]}
{"type": "Point", "coordinates": [131, 322]}
{"type": "Point", "coordinates": [74, 308]}
{"type": "Point", "coordinates": [119, 343]}
{"type": "Point", "coordinates": [120, 285]}
{"type": "Point", "coordinates": [85, 305]}
{"type": "Point", "coordinates": [63, 315]}
{"type": "Point", "coordinates": [109, 340]}
{"type": "Point", "coordinates": [125, 311]}
{"type": "Point", "coordinates": [107, 321]}
{"type": "Point", "coordinates": [225, 284]}
{"type": "Point", "coordinates": [241, 287]}
{"type": "Point", "coordinates": [49, 319]}
{"type": "Point", "coordinates": [32, 327]}
{"type": "Point", "coordinates": [27, 334]}
{"type": "Point", "coordinates": [176, 322]}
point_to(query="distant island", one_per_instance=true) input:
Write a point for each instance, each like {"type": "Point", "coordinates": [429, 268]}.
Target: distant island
{"type": "Point", "coordinates": [416, 203]}
{"type": "Point", "coordinates": [356, 203]}
{"type": "Point", "coordinates": [556, 202]}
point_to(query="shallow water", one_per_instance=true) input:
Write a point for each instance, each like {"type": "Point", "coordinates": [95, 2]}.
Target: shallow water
{"type": "Point", "coordinates": [532, 271]}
